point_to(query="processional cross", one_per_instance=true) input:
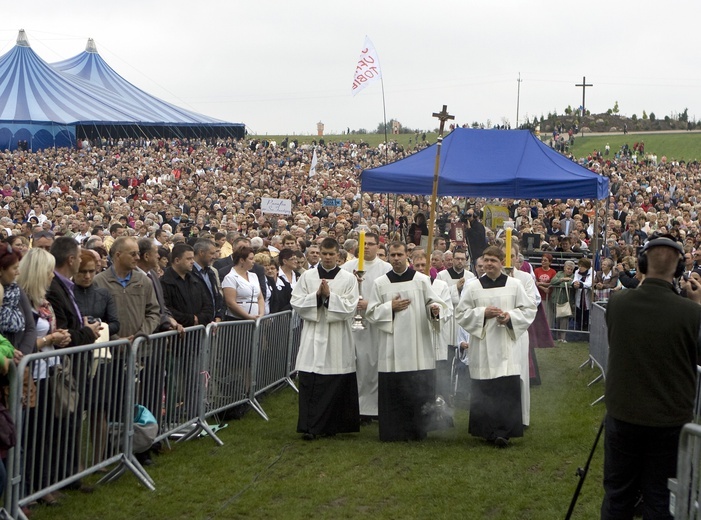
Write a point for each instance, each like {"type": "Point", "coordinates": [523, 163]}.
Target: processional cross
{"type": "Point", "coordinates": [442, 116]}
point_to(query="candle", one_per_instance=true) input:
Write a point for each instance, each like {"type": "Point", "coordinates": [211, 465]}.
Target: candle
{"type": "Point", "coordinates": [508, 247]}
{"type": "Point", "coordinates": [361, 251]}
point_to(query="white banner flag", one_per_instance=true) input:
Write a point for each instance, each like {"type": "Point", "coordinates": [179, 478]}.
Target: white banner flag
{"type": "Point", "coordinates": [367, 70]}
{"type": "Point", "coordinates": [312, 170]}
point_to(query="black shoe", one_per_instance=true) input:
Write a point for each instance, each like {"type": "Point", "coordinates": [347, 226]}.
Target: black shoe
{"type": "Point", "coordinates": [144, 458]}
{"type": "Point", "coordinates": [501, 442]}
{"type": "Point", "coordinates": [308, 437]}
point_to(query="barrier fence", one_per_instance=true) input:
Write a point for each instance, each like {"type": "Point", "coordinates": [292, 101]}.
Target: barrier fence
{"type": "Point", "coordinates": [74, 409]}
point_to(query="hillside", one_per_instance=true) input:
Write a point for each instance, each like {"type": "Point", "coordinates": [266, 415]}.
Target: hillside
{"type": "Point", "coordinates": [615, 123]}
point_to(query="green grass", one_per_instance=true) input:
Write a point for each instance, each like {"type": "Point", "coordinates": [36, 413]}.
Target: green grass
{"type": "Point", "coordinates": [265, 471]}
{"type": "Point", "coordinates": [683, 146]}
{"type": "Point", "coordinates": [686, 146]}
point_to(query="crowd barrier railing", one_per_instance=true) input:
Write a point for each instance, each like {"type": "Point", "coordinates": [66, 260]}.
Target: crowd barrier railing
{"type": "Point", "coordinates": [685, 490]}
{"type": "Point", "coordinates": [170, 381]}
{"type": "Point", "coordinates": [598, 344]}
{"type": "Point", "coordinates": [295, 340]}
{"type": "Point", "coordinates": [271, 369]}
{"type": "Point", "coordinates": [74, 408]}
{"type": "Point", "coordinates": [73, 411]}
{"type": "Point", "coordinates": [232, 356]}
{"type": "Point", "coordinates": [575, 327]}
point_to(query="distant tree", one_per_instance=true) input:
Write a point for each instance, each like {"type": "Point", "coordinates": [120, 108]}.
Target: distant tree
{"type": "Point", "coordinates": [609, 111]}
{"type": "Point", "coordinates": [652, 116]}
{"type": "Point", "coordinates": [615, 108]}
{"type": "Point", "coordinates": [634, 117]}
{"type": "Point", "coordinates": [587, 112]}
{"type": "Point", "coordinates": [667, 119]}
{"type": "Point", "coordinates": [475, 124]}
{"type": "Point", "coordinates": [568, 110]}
{"type": "Point", "coordinates": [644, 115]}
{"type": "Point", "coordinates": [684, 116]}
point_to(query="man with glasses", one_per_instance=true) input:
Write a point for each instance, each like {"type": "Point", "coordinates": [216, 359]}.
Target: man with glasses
{"type": "Point", "coordinates": [131, 289]}
{"type": "Point", "coordinates": [366, 341]}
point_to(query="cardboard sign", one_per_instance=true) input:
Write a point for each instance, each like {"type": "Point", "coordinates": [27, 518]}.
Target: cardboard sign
{"type": "Point", "coordinates": [276, 206]}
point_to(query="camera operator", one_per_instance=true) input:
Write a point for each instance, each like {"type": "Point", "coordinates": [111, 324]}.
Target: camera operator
{"type": "Point", "coordinates": [476, 235]}
{"type": "Point", "coordinates": [653, 338]}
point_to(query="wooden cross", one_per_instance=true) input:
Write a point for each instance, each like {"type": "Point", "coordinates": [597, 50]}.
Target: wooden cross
{"type": "Point", "coordinates": [443, 116]}
{"type": "Point", "coordinates": [584, 86]}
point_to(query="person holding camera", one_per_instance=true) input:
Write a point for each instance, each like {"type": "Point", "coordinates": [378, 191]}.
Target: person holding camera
{"type": "Point", "coordinates": [654, 346]}
{"type": "Point", "coordinates": [476, 236]}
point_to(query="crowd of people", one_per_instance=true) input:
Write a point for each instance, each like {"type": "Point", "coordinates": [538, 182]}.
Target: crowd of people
{"type": "Point", "coordinates": [151, 235]}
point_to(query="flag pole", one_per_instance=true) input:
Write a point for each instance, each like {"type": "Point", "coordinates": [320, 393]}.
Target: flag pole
{"type": "Point", "coordinates": [442, 116]}
{"type": "Point", "coordinates": [384, 114]}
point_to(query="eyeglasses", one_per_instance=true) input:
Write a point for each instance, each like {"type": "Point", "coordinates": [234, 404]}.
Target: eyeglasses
{"type": "Point", "coordinates": [43, 234]}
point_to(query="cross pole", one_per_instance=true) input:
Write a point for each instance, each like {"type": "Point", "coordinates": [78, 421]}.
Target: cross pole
{"type": "Point", "coordinates": [442, 116]}
{"type": "Point", "coordinates": [584, 86]}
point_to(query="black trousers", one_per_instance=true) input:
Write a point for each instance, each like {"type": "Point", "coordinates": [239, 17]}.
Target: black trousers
{"type": "Point", "coordinates": [638, 459]}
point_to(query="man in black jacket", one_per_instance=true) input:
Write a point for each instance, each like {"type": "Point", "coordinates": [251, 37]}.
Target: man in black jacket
{"type": "Point", "coordinates": [205, 251]}
{"type": "Point", "coordinates": [60, 294]}
{"type": "Point", "coordinates": [654, 346]}
{"type": "Point", "coordinates": [185, 294]}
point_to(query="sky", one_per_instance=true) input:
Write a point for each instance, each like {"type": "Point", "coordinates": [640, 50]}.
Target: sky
{"type": "Point", "coordinates": [282, 67]}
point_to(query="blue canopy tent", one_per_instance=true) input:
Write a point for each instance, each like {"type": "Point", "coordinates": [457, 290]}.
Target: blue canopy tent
{"type": "Point", "coordinates": [43, 106]}
{"type": "Point", "coordinates": [510, 164]}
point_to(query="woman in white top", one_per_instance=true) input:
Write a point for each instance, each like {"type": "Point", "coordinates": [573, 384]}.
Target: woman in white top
{"type": "Point", "coordinates": [242, 294]}
{"type": "Point", "coordinates": [288, 265]}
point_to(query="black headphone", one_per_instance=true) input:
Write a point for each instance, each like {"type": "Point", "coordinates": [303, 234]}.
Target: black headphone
{"type": "Point", "coordinates": [662, 241]}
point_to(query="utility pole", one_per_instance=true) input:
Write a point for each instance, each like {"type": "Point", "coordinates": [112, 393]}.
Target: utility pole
{"type": "Point", "coordinates": [518, 98]}
{"type": "Point", "coordinates": [584, 86]}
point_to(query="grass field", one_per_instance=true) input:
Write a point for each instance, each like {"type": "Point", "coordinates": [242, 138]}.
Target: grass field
{"type": "Point", "coordinates": [265, 471]}
{"type": "Point", "coordinates": [682, 146]}
{"type": "Point", "coordinates": [686, 146]}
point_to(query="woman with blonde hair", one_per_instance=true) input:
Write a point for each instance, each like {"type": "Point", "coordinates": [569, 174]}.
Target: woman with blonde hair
{"type": "Point", "coordinates": [36, 270]}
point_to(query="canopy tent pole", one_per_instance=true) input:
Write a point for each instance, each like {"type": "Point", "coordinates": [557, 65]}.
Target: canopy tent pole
{"type": "Point", "coordinates": [442, 116]}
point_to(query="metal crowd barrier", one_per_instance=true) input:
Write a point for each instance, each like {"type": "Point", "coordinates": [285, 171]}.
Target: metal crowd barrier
{"type": "Point", "coordinates": [64, 404]}
{"type": "Point", "coordinates": [74, 408]}
{"type": "Point", "coordinates": [295, 340]}
{"type": "Point", "coordinates": [574, 328]}
{"type": "Point", "coordinates": [685, 490]}
{"type": "Point", "coordinates": [273, 333]}
{"type": "Point", "coordinates": [170, 381]}
{"type": "Point", "coordinates": [232, 347]}
{"type": "Point", "coordinates": [598, 343]}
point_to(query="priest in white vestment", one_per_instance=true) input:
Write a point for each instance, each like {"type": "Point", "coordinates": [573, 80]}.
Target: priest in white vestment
{"type": "Point", "coordinates": [366, 340]}
{"type": "Point", "coordinates": [496, 310]}
{"type": "Point", "coordinates": [326, 299]}
{"type": "Point", "coordinates": [528, 281]}
{"type": "Point", "coordinates": [405, 307]}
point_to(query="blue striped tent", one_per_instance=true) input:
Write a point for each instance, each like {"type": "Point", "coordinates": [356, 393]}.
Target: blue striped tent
{"type": "Point", "coordinates": [46, 106]}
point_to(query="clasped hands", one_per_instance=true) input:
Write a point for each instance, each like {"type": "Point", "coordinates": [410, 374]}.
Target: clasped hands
{"type": "Point", "coordinates": [502, 317]}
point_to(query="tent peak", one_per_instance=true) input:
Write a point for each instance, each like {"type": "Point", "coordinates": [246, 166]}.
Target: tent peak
{"type": "Point", "coordinates": [91, 47]}
{"type": "Point", "coordinates": [22, 40]}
